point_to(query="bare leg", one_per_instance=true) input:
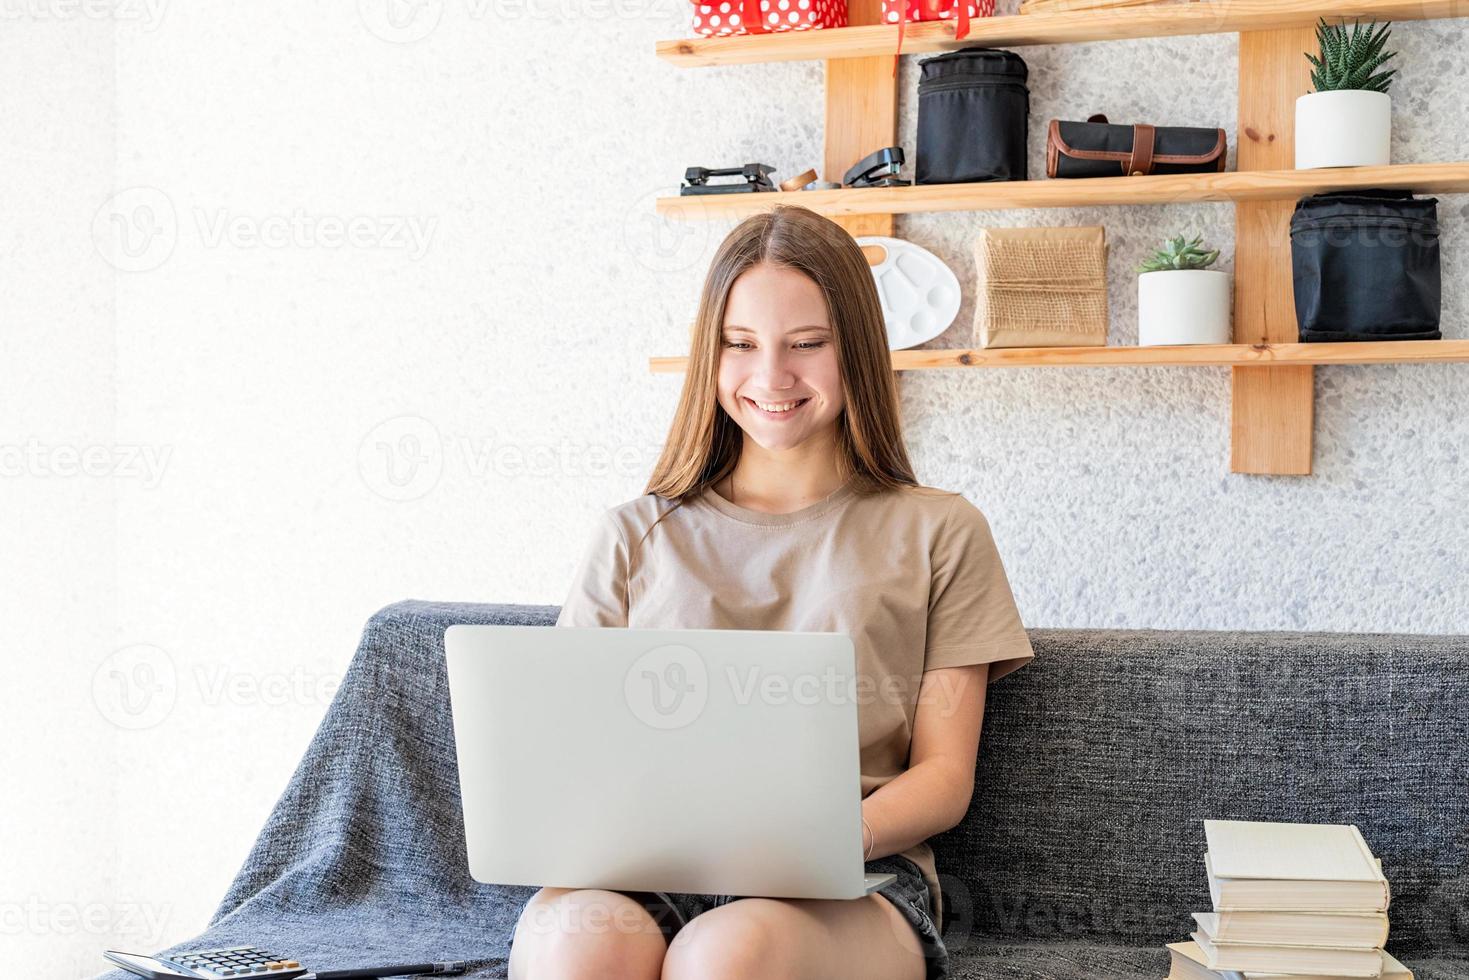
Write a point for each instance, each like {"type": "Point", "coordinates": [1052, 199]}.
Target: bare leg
{"type": "Point", "coordinates": [797, 939]}
{"type": "Point", "coordinates": [585, 934]}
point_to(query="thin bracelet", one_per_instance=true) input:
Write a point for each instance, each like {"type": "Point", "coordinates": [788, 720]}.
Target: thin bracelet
{"type": "Point", "coordinates": [872, 837]}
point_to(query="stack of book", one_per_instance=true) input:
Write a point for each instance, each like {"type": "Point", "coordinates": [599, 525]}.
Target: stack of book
{"type": "Point", "coordinates": [1291, 900]}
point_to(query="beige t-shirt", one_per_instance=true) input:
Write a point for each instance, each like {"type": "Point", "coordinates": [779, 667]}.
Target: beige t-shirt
{"type": "Point", "coordinates": [911, 575]}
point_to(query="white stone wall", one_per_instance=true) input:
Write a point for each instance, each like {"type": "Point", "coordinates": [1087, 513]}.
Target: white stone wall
{"type": "Point", "coordinates": [347, 303]}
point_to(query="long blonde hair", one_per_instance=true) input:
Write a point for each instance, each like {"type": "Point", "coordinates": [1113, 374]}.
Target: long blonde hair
{"type": "Point", "coordinates": [704, 443]}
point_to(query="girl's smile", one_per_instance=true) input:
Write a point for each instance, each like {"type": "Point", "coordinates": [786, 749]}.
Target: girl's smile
{"type": "Point", "coordinates": [787, 408]}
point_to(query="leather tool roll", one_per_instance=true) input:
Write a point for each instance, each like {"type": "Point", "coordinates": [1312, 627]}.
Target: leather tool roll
{"type": "Point", "coordinates": [1097, 148]}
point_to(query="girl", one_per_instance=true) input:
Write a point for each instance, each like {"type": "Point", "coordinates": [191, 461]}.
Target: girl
{"type": "Point", "coordinates": [784, 500]}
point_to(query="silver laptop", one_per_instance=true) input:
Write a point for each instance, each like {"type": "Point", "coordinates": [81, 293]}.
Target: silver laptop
{"type": "Point", "coordinates": [707, 761]}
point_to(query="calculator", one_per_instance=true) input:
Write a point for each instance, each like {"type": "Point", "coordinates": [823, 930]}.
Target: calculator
{"type": "Point", "coordinates": [209, 964]}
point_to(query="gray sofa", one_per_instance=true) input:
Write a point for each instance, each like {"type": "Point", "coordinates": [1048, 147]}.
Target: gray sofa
{"type": "Point", "coordinates": [1081, 854]}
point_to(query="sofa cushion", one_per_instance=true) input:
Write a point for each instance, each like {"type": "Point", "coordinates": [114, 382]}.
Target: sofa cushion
{"type": "Point", "coordinates": [1099, 762]}
{"type": "Point", "coordinates": [1040, 959]}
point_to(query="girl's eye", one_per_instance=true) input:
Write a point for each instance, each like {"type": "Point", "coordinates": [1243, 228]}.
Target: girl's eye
{"type": "Point", "coordinates": [804, 345]}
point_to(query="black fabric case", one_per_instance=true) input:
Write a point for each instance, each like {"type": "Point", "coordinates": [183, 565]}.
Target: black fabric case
{"type": "Point", "coordinates": [973, 117]}
{"type": "Point", "coordinates": [1366, 266]}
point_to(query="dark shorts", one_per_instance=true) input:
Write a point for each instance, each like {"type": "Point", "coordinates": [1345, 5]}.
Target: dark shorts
{"type": "Point", "coordinates": [674, 910]}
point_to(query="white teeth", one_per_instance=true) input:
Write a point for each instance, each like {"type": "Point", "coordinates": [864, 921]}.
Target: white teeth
{"type": "Point", "coordinates": [782, 407]}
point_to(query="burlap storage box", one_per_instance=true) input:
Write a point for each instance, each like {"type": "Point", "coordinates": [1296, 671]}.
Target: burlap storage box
{"type": "Point", "coordinates": [1041, 287]}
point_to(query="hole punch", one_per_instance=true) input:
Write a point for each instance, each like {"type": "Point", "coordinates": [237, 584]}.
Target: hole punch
{"type": "Point", "coordinates": [755, 179]}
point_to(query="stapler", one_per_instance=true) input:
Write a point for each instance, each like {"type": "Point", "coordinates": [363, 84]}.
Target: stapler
{"type": "Point", "coordinates": [878, 169]}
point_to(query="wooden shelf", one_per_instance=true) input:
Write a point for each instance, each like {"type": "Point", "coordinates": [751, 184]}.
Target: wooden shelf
{"type": "Point", "coordinates": [1234, 185]}
{"type": "Point", "coordinates": [1197, 355]}
{"type": "Point", "coordinates": [1121, 23]}
{"type": "Point", "coordinates": [1272, 395]}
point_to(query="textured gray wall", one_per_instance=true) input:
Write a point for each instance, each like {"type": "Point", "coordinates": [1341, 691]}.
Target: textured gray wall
{"type": "Point", "coordinates": [1109, 488]}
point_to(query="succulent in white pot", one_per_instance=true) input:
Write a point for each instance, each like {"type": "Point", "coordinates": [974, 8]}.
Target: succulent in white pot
{"type": "Point", "coordinates": [1180, 300]}
{"type": "Point", "coordinates": [1347, 121]}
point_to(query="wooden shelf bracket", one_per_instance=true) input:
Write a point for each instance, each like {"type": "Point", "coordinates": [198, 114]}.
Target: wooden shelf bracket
{"type": "Point", "coordinates": [1272, 409]}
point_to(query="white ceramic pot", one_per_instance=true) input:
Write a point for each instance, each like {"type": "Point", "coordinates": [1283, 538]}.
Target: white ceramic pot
{"type": "Point", "coordinates": [1350, 128]}
{"type": "Point", "coordinates": [1184, 306]}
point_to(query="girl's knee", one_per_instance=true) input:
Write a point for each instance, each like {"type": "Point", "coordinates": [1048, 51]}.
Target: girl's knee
{"type": "Point", "coordinates": [736, 940]}
{"type": "Point", "coordinates": [567, 933]}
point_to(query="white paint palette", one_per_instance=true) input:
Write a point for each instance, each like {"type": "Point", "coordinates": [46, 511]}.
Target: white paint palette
{"type": "Point", "coordinates": [920, 294]}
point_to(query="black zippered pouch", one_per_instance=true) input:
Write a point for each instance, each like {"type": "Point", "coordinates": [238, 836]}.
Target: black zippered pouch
{"type": "Point", "coordinates": [973, 117]}
{"type": "Point", "coordinates": [1365, 265]}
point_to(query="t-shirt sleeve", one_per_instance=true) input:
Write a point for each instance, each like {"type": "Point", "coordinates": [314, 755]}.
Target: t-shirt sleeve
{"type": "Point", "coordinates": [598, 595]}
{"type": "Point", "coordinates": [972, 618]}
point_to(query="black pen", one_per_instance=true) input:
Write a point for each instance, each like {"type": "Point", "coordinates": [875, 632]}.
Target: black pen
{"type": "Point", "coordinates": [372, 972]}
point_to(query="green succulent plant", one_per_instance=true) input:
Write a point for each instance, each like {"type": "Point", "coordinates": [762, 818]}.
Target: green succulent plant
{"type": "Point", "coordinates": [1177, 253]}
{"type": "Point", "coordinates": [1349, 60]}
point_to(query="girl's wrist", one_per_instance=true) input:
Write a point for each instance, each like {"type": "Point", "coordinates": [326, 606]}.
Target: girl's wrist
{"type": "Point", "coordinates": [869, 842]}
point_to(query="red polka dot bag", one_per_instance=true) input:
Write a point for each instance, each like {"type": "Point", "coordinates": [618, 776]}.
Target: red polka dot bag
{"type": "Point", "coordinates": [724, 17]}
